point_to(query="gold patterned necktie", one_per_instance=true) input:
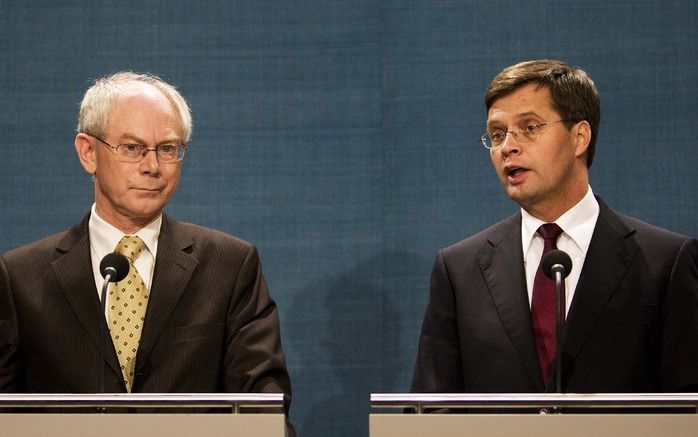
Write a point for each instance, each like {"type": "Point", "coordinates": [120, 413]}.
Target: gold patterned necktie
{"type": "Point", "coordinates": [128, 300]}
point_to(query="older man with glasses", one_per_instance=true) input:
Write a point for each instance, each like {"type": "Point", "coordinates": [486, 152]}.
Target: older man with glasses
{"type": "Point", "coordinates": [193, 313]}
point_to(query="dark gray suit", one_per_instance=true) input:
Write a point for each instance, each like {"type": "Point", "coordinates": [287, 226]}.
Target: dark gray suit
{"type": "Point", "coordinates": [210, 326]}
{"type": "Point", "coordinates": [632, 325]}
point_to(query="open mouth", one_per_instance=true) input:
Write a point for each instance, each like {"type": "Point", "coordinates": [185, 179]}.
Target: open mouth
{"type": "Point", "coordinates": [513, 171]}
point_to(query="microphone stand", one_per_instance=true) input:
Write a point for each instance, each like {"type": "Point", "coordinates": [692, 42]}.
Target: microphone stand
{"type": "Point", "coordinates": [103, 331]}
{"type": "Point", "coordinates": [558, 271]}
{"type": "Point", "coordinates": [114, 267]}
{"type": "Point", "coordinates": [556, 265]}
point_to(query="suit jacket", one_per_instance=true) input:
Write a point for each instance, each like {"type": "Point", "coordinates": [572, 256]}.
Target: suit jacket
{"type": "Point", "coordinates": [210, 325]}
{"type": "Point", "coordinates": [632, 325]}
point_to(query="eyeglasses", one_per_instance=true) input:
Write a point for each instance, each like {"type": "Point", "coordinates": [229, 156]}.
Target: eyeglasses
{"type": "Point", "coordinates": [166, 153]}
{"type": "Point", "coordinates": [528, 134]}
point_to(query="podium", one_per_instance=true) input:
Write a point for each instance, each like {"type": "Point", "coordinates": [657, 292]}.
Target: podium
{"type": "Point", "coordinates": [136, 415]}
{"type": "Point", "coordinates": [540, 415]}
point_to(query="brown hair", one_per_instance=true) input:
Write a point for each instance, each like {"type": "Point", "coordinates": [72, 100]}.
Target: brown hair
{"type": "Point", "coordinates": [574, 95]}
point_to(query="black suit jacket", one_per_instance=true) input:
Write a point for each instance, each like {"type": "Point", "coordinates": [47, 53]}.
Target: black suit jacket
{"type": "Point", "coordinates": [210, 326]}
{"type": "Point", "coordinates": [632, 325]}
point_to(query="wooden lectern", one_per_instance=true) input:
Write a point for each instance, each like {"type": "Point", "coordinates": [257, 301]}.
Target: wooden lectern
{"type": "Point", "coordinates": [141, 415]}
{"type": "Point", "coordinates": [541, 415]}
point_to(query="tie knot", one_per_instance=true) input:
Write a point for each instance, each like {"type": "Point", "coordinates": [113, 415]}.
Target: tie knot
{"type": "Point", "coordinates": [130, 246]}
{"type": "Point", "coordinates": [550, 231]}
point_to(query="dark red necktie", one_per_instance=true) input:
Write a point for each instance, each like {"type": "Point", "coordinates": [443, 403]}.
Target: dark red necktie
{"type": "Point", "coordinates": [543, 305]}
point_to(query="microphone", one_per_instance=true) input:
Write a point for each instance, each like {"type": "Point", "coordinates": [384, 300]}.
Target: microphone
{"type": "Point", "coordinates": [556, 265]}
{"type": "Point", "coordinates": [114, 267]}
{"type": "Point", "coordinates": [556, 261]}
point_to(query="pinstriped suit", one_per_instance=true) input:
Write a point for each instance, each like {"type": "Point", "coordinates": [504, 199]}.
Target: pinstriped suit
{"type": "Point", "coordinates": [211, 325]}
{"type": "Point", "coordinates": [632, 326]}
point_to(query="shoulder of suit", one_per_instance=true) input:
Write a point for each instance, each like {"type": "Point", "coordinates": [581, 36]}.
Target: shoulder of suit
{"type": "Point", "coordinates": [33, 252]}
{"type": "Point", "coordinates": [644, 229]}
{"type": "Point", "coordinates": [655, 241]}
{"type": "Point", "coordinates": [484, 238]}
{"type": "Point", "coordinates": [651, 236]}
{"type": "Point", "coordinates": [201, 234]}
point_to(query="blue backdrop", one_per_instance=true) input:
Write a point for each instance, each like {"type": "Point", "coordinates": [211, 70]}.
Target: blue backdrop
{"type": "Point", "coordinates": [341, 138]}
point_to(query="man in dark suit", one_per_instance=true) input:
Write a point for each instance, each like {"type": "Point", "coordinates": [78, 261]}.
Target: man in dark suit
{"type": "Point", "coordinates": [209, 323]}
{"type": "Point", "coordinates": [632, 294]}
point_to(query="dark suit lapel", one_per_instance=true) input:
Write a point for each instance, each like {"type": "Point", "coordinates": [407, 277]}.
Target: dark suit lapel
{"type": "Point", "coordinates": [503, 270]}
{"type": "Point", "coordinates": [610, 255]}
{"type": "Point", "coordinates": [174, 268]}
{"type": "Point", "coordinates": [73, 270]}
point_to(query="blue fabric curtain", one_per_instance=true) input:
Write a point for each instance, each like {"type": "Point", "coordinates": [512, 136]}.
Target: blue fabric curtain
{"type": "Point", "coordinates": [341, 138]}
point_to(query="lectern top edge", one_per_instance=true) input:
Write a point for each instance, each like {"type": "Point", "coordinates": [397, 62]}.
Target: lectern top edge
{"type": "Point", "coordinates": [487, 400]}
{"type": "Point", "coordinates": [159, 400]}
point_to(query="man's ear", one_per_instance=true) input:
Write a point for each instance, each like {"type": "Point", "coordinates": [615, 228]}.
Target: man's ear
{"type": "Point", "coordinates": [86, 152]}
{"type": "Point", "coordinates": [582, 137]}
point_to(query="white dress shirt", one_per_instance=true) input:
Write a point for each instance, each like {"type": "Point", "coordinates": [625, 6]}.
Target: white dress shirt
{"type": "Point", "coordinates": [578, 226]}
{"type": "Point", "coordinates": [104, 238]}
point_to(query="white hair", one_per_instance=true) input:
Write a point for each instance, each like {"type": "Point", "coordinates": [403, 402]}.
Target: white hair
{"type": "Point", "coordinates": [100, 98]}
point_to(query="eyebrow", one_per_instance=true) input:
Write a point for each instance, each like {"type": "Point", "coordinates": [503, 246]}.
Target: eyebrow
{"type": "Point", "coordinates": [518, 117]}
{"type": "Point", "coordinates": [127, 137]}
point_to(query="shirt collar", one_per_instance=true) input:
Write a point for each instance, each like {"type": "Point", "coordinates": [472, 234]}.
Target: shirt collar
{"type": "Point", "coordinates": [577, 223]}
{"type": "Point", "coordinates": [104, 237]}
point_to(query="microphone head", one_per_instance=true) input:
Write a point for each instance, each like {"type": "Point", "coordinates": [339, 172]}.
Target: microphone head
{"type": "Point", "coordinates": [117, 263]}
{"type": "Point", "coordinates": [556, 260]}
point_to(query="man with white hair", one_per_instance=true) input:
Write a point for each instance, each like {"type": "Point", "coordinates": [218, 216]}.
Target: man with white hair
{"type": "Point", "coordinates": [193, 314]}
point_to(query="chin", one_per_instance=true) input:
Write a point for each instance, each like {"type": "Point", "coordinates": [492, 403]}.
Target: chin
{"type": "Point", "coordinates": [519, 197]}
{"type": "Point", "coordinates": [147, 212]}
